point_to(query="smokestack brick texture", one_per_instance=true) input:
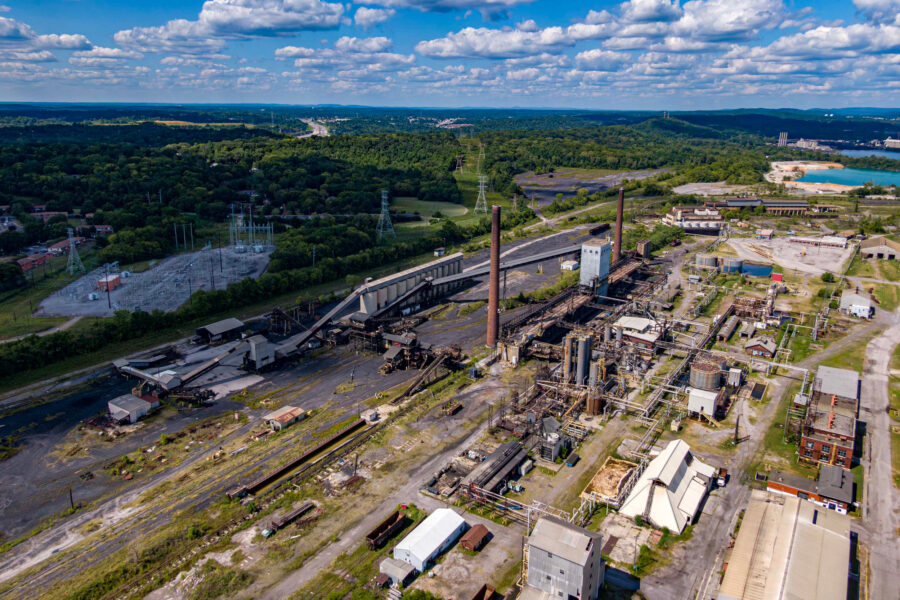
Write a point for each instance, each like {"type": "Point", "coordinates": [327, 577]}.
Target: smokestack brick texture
{"type": "Point", "coordinates": [493, 322]}
{"type": "Point", "coordinates": [620, 209]}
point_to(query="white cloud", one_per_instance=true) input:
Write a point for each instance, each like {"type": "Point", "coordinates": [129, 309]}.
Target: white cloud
{"type": "Point", "coordinates": [448, 5]}
{"type": "Point", "coordinates": [102, 53]}
{"type": "Point", "coordinates": [4, 8]}
{"type": "Point", "coordinates": [370, 17]}
{"type": "Point", "coordinates": [482, 42]}
{"type": "Point", "coordinates": [221, 20]}
{"type": "Point", "coordinates": [293, 52]}
{"type": "Point", "coordinates": [600, 60]}
{"type": "Point", "coordinates": [879, 11]}
{"type": "Point", "coordinates": [372, 44]}
{"type": "Point", "coordinates": [33, 56]}
{"type": "Point", "coordinates": [650, 10]}
{"type": "Point", "coordinates": [728, 20]}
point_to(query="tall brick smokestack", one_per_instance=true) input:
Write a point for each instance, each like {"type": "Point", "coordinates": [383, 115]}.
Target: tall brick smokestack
{"type": "Point", "coordinates": [620, 208]}
{"type": "Point", "coordinates": [493, 323]}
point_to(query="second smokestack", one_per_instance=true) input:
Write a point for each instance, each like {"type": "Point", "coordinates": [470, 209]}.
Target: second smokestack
{"type": "Point", "coordinates": [493, 322]}
{"type": "Point", "coordinates": [620, 208]}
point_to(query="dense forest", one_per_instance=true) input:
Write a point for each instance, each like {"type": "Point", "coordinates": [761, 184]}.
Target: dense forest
{"type": "Point", "coordinates": [142, 190]}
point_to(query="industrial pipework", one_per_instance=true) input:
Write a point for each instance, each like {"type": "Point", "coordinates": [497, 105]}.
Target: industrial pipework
{"type": "Point", "coordinates": [620, 208]}
{"type": "Point", "coordinates": [493, 322]}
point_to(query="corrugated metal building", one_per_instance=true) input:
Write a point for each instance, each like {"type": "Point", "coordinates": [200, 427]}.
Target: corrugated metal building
{"type": "Point", "coordinates": [788, 549]}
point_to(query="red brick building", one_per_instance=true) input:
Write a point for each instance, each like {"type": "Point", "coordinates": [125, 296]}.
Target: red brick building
{"type": "Point", "coordinates": [833, 489]}
{"type": "Point", "coordinates": [829, 430]}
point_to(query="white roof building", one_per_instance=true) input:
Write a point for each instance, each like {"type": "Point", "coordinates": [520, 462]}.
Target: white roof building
{"type": "Point", "coordinates": [670, 490]}
{"type": "Point", "coordinates": [433, 535]}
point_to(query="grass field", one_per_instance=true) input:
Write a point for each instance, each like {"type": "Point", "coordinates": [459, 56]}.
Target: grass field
{"type": "Point", "coordinates": [853, 356]}
{"type": "Point", "coordinates": [428, 209]}
{"type": "Point", "coordinates": [888, 296]}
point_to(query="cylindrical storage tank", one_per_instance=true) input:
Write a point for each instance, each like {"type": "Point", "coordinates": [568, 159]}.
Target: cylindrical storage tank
{"type": "Point", "coordinates": [731, 264]}
{"type": "Point", "coordinates": [607, 333]}
{"type": "Point", "coordinates": [568, 343]}
{"type": "Point", "coordinates": [706, 260]}
{"type": "Point", "coordinates": [593, 405]}
{"type": "Point", "coordinates": [619, 334]}
{"type": "Point", "coordinates": [734, 377]}
{"type": "Point", "coordinates": [706, 375]}
{"type": "Point", "coordinates": [595, 374]}
{"type": "Point", "coordinates": [584, 360]}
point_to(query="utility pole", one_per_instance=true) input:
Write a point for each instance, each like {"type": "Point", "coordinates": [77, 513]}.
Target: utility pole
{"type": "Point", "coordinates": [221, 263]}
{"type": "Point", "coordinates": [108, 299]}
{"type": "Point", "coordinates": [175, 227]}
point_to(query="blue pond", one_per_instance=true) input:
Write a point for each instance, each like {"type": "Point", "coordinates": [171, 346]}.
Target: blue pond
{"type": "Point", "coordinates": [852, 176]}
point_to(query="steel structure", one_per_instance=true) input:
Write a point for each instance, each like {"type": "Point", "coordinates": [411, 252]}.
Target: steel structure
{"type": "Point", "coordinates": [384, 229]}
{"type": "Point", "coordinates": [74, 265]}
{"type": "Point", "coordinates": [481, 202]}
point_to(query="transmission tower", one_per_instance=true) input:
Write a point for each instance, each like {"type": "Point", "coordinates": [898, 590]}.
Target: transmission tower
{"type": "Point", "coordinates": [384, 229]}
{"type": "Point", "coordinates": [75, 265]}
{"type": "Point", "coordinates": [481, 203]}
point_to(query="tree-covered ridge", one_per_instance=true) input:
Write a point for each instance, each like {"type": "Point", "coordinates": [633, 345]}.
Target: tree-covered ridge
{"type": "Point", "coordinates": [139, 133]}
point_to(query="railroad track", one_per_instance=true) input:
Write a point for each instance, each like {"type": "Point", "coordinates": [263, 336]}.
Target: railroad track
{"type": "Point", "coordinates": [263, 501]}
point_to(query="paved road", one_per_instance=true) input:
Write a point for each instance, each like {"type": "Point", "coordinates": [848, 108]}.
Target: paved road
{"type": "Point", "coordinates": [62, 327]}
{"type": "Point", "coordinates": [317, 129]}
{"type": "Point", "coordinates": [695, 564]}
{"type": "Point", "coordinates": [872, 280]}
{"type": "Point", "coordinates": [882, 502]}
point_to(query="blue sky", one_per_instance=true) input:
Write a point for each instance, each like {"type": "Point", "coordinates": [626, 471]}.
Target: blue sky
{"type": "Point", "coordinates": [638, 54]}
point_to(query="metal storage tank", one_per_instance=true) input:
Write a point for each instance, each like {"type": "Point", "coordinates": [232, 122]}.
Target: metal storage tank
{"type": "Point", "coordinates": [583, 360]}
{"type": "Point", "coordinates": [706, 375]}
{"type": "Point", "coordinates": [594, 405]}
{"type": "Point", "coordinates": [731, 264]}
{"type": "Point", "coordinates": [734, 377]}
{"type": "Point", "coordinates": [607, 333]}
{"type": "Point", "coordinates": [568, 345]}
{"type": "Point", "coordinates": [706, 260]}
{"type": "Point", "coordinates": [595, 373]}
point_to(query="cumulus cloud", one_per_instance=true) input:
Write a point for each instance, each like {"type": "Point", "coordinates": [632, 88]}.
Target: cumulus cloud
{"type": "Point", "coordinates": [482, 42]}
{"type": "Point", "coordinates": [650, 10]}
{"type": "Point", "coordinates": [102, 53]}
{"type": "Point", "coordinates": [370, 17]}
{"type": "Point", "coordinates": [879, 10]}
{"type": "Point", "coordinates": [600, 60]}
{"type": "Point", "coordinates": [221, 20]}
{"type": "Point", "coordinates": [372, 44]}
{"type": "Point", "coordinates": [448, 5]}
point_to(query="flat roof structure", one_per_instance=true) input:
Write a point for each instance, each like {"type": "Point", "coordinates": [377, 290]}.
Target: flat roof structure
{"type": "Point", "coordinates": [561, 539]}
{"type": "Point", "coordinates": [838, 382]}
{"type": "Point", "coordinates": [788, 549]}
{"type": "Point", "coordinates": [639, 324]}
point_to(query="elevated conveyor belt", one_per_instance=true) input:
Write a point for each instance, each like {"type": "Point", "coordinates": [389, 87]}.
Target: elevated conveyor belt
{"type": "Point", "coordinates": [293, 343]}
{"type": "Point", "coordinates": [510, 264]}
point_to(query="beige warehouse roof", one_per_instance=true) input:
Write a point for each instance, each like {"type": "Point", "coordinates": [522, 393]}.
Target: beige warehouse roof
{"type": "Point", "coordinates": [788, 549]}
